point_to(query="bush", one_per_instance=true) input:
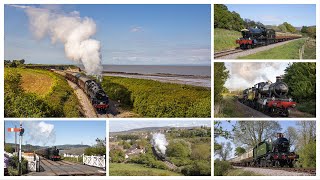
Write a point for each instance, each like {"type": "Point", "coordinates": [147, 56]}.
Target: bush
{"type": "Point", "coordinates": [117, 156]}
{"type": "Point", "coordinates": [308, 155]}
{"type": "Point", "coordinates": [156, 99]}
{"type": "Point", "coordinates": [221, 167]}
{"type": "Point", "coordinates": [198, 168]}
{"type": "Point", "coordinates": [13, 166]}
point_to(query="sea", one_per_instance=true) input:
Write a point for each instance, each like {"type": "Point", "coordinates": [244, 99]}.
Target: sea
{"type": "Point", "coordinates": [191, 75]}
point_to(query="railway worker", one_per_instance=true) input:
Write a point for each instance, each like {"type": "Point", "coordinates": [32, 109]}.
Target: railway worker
{"type": "Point", "coordinates": [6, 165]}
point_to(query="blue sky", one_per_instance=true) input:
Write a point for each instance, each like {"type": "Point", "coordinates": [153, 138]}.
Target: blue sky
{"type": "Point", "coordinates": [229, 126]}
{"type": "Point", "coordinates": [274, 14]}
{"type": "Point", "coordinates": [58, 132]}
{"type": "Point", "coordinates": [129, 34]}
{"type": "Point", "coordinates": [116, 126]}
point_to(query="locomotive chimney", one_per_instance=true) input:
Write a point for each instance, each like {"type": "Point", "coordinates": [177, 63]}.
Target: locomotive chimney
{"type": "Point", "coordinates": [279, 135]}
{"type": "Point", "coordinates": [278, 79]}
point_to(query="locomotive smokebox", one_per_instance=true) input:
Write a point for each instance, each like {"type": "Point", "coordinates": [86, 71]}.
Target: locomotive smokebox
{"type": "Point", "coordinates": [280, 135]}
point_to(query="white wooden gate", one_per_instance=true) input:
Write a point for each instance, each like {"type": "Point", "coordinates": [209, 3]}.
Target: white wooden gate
{"type": "Point", "coordinates": [96, 161]}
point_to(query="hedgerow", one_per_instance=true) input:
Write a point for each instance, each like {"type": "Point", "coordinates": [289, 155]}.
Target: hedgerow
{"type": "Point", "coordinates": [151, 98]}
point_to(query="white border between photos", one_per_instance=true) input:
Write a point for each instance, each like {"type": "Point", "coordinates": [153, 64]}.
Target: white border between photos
{"type": "Point", "coordinates": [212, 78]}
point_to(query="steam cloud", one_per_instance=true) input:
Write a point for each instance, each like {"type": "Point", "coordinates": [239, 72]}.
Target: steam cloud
{"type": "Point", "coordinates": [71, 30]}
{"type": "Point", "coordinates": [244, 75]}
{"type": "Point", "coordinates": [160, 142]}
{"type": "Point", "coordinates": [40, 132]}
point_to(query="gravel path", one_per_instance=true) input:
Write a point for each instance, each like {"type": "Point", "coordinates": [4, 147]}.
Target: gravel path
{"type": "Point", "coordinates": [272, 172]}
{"type": "Point", "coordinates": [255, 50]}
{"type": "Point", "coordinates": [86, 105]}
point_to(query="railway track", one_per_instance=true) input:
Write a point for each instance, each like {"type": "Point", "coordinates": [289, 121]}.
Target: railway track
{"type": "Point", "coordinates": [65, 168]}
{"type": "Point", "coordinates": [227, 52]}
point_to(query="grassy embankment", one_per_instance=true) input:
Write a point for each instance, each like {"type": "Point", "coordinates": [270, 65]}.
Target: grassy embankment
{"type": "Point", "coordinates": [121, 169]}
{"type": "Point", "coordinates": [73, 159]}
{"type": "Point", "coordinates": [151, 98]}
{"type": "Point", "coordinates": [227, 107]}
{"type": "Point", "coordinates": [225, 39]}
{"type": "Point", "coordinates": [287, 51]}
{"type": "Point", "coordinates": [224, 168]}
{"type": "Point", "coordinates": [38, 93]}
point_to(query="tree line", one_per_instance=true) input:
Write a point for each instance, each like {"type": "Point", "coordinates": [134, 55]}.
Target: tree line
{"type": "Point", "coordinates": [225, 19]}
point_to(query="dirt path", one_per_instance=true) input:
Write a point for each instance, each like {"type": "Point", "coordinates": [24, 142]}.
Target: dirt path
{"type": "Point", "coordinates": [255, 50]}
{"type": "Point", "coordinates": [86, 105]}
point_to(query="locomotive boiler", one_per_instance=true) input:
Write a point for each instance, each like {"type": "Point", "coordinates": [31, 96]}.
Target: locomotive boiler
{"type": "Point", "coordinates": [269, 97]}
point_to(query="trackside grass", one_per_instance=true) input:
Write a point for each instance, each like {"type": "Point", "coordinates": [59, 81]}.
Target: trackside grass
{"type": "Point", "coordinates": [121, 169]}
{"type": "Point", "coordinates": [286, 51]}
{"type": "Point", "coordinates": [225, 39]}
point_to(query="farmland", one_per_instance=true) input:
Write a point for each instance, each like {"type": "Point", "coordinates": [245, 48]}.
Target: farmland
{"type": "Point", "coordinates": [38, 93]}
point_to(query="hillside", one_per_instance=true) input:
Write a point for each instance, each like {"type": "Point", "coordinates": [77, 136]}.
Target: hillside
{"type": "Point", "coordinates": [225, 39]}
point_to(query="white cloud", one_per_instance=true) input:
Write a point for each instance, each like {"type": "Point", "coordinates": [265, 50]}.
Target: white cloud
{"type": "Point", "coordinates": [136, 29]}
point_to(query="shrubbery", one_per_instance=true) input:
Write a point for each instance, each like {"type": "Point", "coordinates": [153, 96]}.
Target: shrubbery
{"type": "Point", "coordinates": [13, 166]}
{"type": "Point", "coordinates": [221, 167]}
{"type": "Point", "coordinates": [156, 99]}
{"type": "Point", "coordinates": [117, 156]}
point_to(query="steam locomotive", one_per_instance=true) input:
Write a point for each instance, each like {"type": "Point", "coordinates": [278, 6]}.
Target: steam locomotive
{"type": "Point", "coordinates": [51, 153]}
{"type": "Point", "coordinates": [156, 151]}
{"type": "Point", "coordinates": [269, 97]}
{"type": "Point", "coordinates": [94, 91]}
{"type": "Point", "coordinates": [268, 154]}
{"type": "Point", "coordinates": [261, 36]}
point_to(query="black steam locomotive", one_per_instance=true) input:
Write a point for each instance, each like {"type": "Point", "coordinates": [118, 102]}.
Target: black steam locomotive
{"type": "Point", "coordinates": [51, 153]}
{"type": "Point", "coordinates": [269, 97]}
{"type": "Point", "coordinates": [261, 36]}
{"type": "Point", "coordinates": [94, 91]}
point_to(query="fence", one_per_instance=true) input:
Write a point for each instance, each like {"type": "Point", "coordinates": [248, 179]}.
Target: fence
{"type": "Point", "coordinates": [96, 161]}
{"type": "Point", "coordinates": [33, 163]}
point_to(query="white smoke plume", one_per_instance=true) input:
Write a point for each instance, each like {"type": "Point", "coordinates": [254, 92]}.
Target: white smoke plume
{"type": "Point", "coordinates": [39, 132]}
{"type": "Point", "coordinates": [72, 31]}
{"type": "Point", "coordinates": [160, 142]}
{"type": "Point", "coordinates": [247, 74]}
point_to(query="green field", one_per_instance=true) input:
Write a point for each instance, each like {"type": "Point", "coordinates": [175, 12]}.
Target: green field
{"type": "Point", "coordinates": [225, 39]}
{"type": "Point", "coordinates": [286, 51]}
{"type": "Point", "coordinates": [120, 169]}
{"type": "Point", "coordinates": [38, 93]}
{"type": "Point", "coordinates": [150, 98]}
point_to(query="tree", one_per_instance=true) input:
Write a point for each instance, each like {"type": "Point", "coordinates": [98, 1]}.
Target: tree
{"type": "Point", "coordinates": [301, 79]}
{"type": "Point", "coordinates": [225, 19]}
{"type": "Point", "coordinates": [221, 75]}
{"type": "Point", "coordinates": [239, 151]}
{"type": "Point", "coordinates": [304, 29]}
{"type": "Point", "coordinates": [292, 136]}
{"type": "Point", "coordinates": [178, 148]}
{"type": "Point", "coordinates": [251, 133]}
{"type": "Point", "coordinates": [289, 27]}
{"type": "Point", "coordinates": [201, 152]}
{"type": "Point", "coordinates": [312, 32]}
{"type": "Point", "coordinates": [225, 151]}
